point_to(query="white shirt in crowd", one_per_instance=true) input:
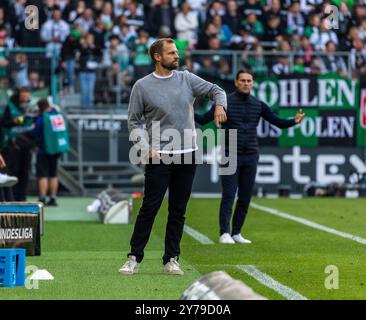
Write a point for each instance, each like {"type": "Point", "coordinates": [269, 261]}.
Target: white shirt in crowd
{"type": "Point", "coordinates": [186, 26]}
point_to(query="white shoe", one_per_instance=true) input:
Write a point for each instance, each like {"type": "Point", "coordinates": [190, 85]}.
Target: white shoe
{"type": "Point", "coordinates": [130, 267]}
{"type": "Point", "coordinates": [94, 207]}
{"type": "Point", "coordinates": [239, 239]}
{"type": "Point", "coordinates": [7, 181]}
{"type": "Point", "coordinates": [226, 238]}
{"type": "Point", "coordinates": [172, 267]}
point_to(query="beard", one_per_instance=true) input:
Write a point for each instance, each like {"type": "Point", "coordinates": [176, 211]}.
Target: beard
{"type": "Point", "coordinates": [170, 66]}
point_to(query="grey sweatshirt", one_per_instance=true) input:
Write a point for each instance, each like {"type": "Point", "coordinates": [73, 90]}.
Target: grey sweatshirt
{"type": "Point", "coordinates": [168, 101]}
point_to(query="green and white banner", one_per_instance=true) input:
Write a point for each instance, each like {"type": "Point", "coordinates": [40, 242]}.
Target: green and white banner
{"type": "Point", "coordinates": [335, 109]}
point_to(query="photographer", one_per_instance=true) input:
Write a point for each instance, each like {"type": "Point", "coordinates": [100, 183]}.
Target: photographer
{"type": "Point", "coordinates": [15, 144]}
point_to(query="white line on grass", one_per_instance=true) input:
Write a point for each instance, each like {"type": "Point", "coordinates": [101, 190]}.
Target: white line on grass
{"type": "Point", "coordinates": [271, 283]}
{"type": "Point", "coordinates": [197, 235]}
{"type": "Point", "coordinates": [308, 223]}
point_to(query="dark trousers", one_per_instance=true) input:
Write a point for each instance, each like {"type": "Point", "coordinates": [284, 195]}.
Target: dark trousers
{"type": "Point", "coordinates": [6, 194]}
{"type": "Point", "coordinates": [242, 181]}
{"type": "Point", "coordinates": [158, 178]}
{"type": "Point", "coordinates": [18, 161]}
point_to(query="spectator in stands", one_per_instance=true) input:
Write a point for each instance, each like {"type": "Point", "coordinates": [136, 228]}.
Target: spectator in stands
{"type": "Point", "coordinates": [274, 9]}
{"type": "Point", "coordinates": [9, 42]}
{"type": "Point", "coordinates": [215, 65]}
{"type": "Point", "coordinates": [47, 9]}
{"type": "Point", "coordinates": [272, 31]}
{"type": "Point", "coordinates": [315, 66]}
{"type": "Point", "coordinates": [107, 16]}
{"type": "Point", "coordinates": [118, 7]}
{"type": "Point", "coordinates": [86, 21]}
{"type": "Point", "coordinates": [256, 62]}
{"type": "Point", "coordinates": [216, 8]}
{"type": "Point", "coordinates": [54, 32]}
{"type": "Point", "coordinates": [244, 41]}
{"type": "Point", "coordinates": [69, 50]}
{"type": "Point", "coordinates": [358, 58]}
{"type": "Point", "coordinates": [295, 20]}
{"type": "Point", "coordinates": [90, 56]}
{"type": "Point", "coordinates": [16, 17]}
{"type": "Point", "coordinates": [116, 60]}
{"type": "Point", "coordinates": [126, 33]}
{"type": "Point", "coordinates": [162, 15]}
{"type": "Point", "coordinates": [77, 12]}
{"type": "Point", "coordinates": [250, 7]}
{"type": "Point", "coordinates": [307, 7]}
{"type": "Point", "coordinates": [199, 6]}
{"type": "Point", "coordinates": [100, 33]}
{"type": "Point", "coordinates": [283, 66]}
{"type": "Point", "coordinates": [135, 16]}
{"type": "Point", "coordinates": [362, 30]}
{"type": "Point", "coordinates": [225, 32]}
{"type": "Point", "coordinates": [285, 4]}
{"type": "Point", "coordinates": [20, 70]}
{"type": "Point", "coordinates": [330, 62]}
{"type": "Point", "coordinates": [142, 63]}
{"type": "Point", "coordinates": [203, 39]}
{"type": "Point", "coordinates": [313, 28]}
{"type": "Point", "coordinates": [346, 43]}
{"type": "Point", "coordinates": [186, 24]}
{"type": "Point", "coordinates": [35, 81]}
{"type": "Point", "coordinates": [358, 14]}
{"type": "Point", "coordinates": [305, 50]}
{"type": "Point", "coordinates": [299, 66]}
{"type": "Point", "coordinates": [325, 34]}
{"type": "Point", "coordinates": [189, 64]}
{"type": "Point", "coordinates": [97, 7]}
{"type": "Point", "coordinates": [344, 22]}
{"type": "Point", "coordinates": [232, 18]}
{"type": "Point", "coordinates": [253, 25]}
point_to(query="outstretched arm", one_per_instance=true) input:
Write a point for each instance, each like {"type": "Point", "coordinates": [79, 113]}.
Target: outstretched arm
{"type": "Point", "coordinates": [269, 115]}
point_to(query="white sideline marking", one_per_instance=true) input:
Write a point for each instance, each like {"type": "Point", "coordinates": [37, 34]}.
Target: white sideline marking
{"type": "Point", "coordinates": [309, 223]}
{"type": "Point", "coordinates": [198, 236]}
{"type": "Point", "coordinates": [271, 283]}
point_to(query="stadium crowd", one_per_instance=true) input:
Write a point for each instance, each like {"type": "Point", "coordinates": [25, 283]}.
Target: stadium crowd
{"type": "Point", "coordinates": [107, 41]}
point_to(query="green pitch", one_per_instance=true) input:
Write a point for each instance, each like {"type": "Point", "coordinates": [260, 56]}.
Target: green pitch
{"type": "Point", "coordinates": [84, 256]}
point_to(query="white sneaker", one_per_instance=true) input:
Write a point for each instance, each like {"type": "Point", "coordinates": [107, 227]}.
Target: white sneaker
{"type": "Point", "coordinates": [239, 239]}
{"type": "Point", "coordinates": [172, 267]}
{"type": "Point", "coordinates": [226, 238]}
{"type": "Point", "coordinates": [130, 267]}
{"type": "Point", "coordinates": [94, 207]}
{"type": "Point", "coordinates": [7, 181]}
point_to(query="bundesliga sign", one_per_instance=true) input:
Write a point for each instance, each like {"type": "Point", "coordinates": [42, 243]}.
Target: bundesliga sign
{"type": "Point", "coordinates": [335, 109]}
{"type": "Point", "coordinates": [21, 225]}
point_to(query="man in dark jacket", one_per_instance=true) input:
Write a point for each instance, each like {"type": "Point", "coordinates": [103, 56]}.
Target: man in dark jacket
{"type": "Point", "coordinates": [243, 114]}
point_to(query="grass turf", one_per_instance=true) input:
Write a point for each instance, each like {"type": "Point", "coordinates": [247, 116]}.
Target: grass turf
{"type": "Point", "coordinates": [84, 256]}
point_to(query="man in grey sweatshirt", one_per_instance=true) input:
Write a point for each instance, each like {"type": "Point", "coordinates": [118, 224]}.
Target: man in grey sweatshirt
{"type": "Point", "coordinates": [161, 108]}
